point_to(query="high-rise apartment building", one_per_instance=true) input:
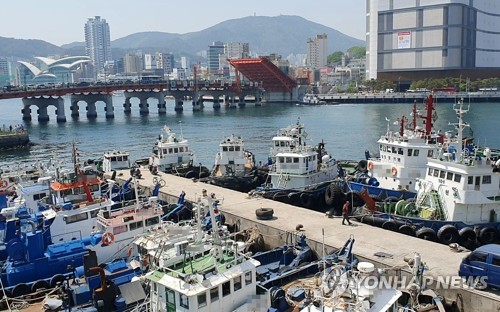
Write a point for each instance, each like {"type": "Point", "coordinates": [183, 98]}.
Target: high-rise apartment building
{"type": "Point", "coordinates": [98, 42]}
{"type": "Point", "coordinates": [132, 64]}
{"type": "Point", "coordinates": [317, 51]}
{"type": "Point", "coordinates": [236, 50]}
{"type": "Point", "coordinates": [415, 39]}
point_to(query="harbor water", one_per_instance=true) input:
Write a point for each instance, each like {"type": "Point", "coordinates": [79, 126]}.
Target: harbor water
{"type": "Point", "coordinates": [347, 129]}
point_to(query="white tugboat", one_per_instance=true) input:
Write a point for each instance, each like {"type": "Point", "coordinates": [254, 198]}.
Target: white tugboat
{"type": "Point", "coordinates": [173, 155]}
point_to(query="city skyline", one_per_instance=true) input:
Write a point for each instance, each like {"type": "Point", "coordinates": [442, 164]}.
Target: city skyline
{"type": "Point", "coordinates": [67, 25]}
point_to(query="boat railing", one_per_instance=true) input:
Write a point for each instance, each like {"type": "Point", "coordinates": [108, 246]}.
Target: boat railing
{"type": "Point", "coordinates": [438, 201]}
{"type": "Point", "coordinates": [422, 195]}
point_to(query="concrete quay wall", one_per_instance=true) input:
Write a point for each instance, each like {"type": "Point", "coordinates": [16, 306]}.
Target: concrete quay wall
{"type": "Point", "coordinates": [441, 261]}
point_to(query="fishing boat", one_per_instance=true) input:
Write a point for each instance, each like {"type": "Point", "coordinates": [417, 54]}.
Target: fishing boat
{"type": "Point", "coordinates": [234, 167]}
{"type": "Point", "coordinates": [403, 157]}
{"type": "Point", "coordinates": [299, 173]}
{"type": "Point", "coordinates": [220, 279]}
{"type": "Point", "coordinates": [111, 161]}
{"type": "Point", "coordinates": [457, 200]}
{"type": "Point", "coordinates": [172, 154]}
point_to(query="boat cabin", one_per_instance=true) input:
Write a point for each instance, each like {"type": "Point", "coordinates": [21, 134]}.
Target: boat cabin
{"type": "Point", "coordinates": [170, 151]}
{"type": "Point", "coordinates": [232, 157]}
{"type": "Point", "coordinates": [115, 160]}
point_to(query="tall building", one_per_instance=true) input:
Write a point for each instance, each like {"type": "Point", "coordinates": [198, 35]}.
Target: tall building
{"type": "Point", "coordinates": [213, 53]}
{"type": "Point", "coordinates": [317, 51]}
{"type": "Point", "coordinates": [236, 50]}
{"type": "Point", "coordinates": [415, 39]}
{"type": "Point", "coordinates": [132, 64]}
{"type": "Point", "coordinates": [98, 42]}
{"type": "Point", "coordinates": [168, 62]}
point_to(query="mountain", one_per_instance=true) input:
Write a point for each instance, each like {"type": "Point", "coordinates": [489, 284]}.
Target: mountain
{"type": "Point", "coordinates": [284, 34]}
{"type": "Point", "coordinates": [23, 48]}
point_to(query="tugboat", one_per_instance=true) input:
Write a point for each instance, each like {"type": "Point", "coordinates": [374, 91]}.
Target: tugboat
{"type": "Point", "coordinates": [234, 167]}
{"type": "Point", "coordinates": [458, 199]}
{"type": "Point", "coordinates": [174, 156]}
{"type": "Point", "coordinates": [299, 173]}
{"type": "Point", "coordinates": [403, 157]}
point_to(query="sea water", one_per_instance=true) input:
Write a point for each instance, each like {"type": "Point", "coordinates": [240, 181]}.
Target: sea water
{"type": "Point", "coordinates": [347, 129]}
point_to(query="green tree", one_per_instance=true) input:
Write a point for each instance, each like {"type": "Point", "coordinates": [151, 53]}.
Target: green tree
{"type": "Point", "coordinates": [357, 52]}
{"type": "Point", "coordinates": [335, 57]}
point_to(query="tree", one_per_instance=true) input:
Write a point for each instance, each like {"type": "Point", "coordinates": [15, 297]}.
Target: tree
{"type": "Point", "coordinates": [335, 57]}
{"type": "Point", "coordinates": [357, 52]}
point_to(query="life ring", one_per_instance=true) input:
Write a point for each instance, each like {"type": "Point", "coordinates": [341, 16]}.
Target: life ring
{"type": "Point", "coordinates": [108, 238]}
{"type": "Point", "coordinates": [3, 183]}
{"type": "Point", "coordinates": [370, 165]}
{"type": "Point", "coordinates": [394, 171]}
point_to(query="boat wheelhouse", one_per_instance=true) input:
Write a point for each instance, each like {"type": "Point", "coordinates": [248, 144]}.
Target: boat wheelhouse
{"type": "Point", "coordinates": [115, 160]}
{"type": "Point", "coordinates": [232, 158]}
{"type": "Point", "coordinates": [171, 151]}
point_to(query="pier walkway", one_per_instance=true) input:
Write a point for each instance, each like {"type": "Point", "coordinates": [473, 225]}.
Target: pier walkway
{"type": "Point", "coordinates": [440, 259]}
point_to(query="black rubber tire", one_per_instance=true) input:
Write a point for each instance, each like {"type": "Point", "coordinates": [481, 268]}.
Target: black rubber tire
{"type": "Point", "coordinates": [427, 234]}
{"type": "Point", "coordinates": [40, 284]}
{"type": "Point", "coordinates": [362, 165]}
{"type": "Point", "coordinates": [390, 226]}
{"type": "Point", "coordinates": [487, 235]}
{"type": "Point", "coordinates": [191, 174]}
{"type": "Point", "coordinates": [407, 230]}
{"type": "Point", "coordinates": [294, 198]}
{"type": "Point", "coordinates": [448, 234]}
{"type": "Point", "coordinates": [20, 290]}
{"type": "Point", "coordinates": [264, 213]}
{"type": "Point", "coordinates": [281, 197]}
{"type": "Point", "coordinates": [468, 236]}
{"type": "Point", "coordinates": [58, 278]}
{"type": "Point", "coordinates": [307, 200]}
{"type": "Point", "coordinates": [330, 193]}
{"type": "Point", "coordinates": [204, 174]}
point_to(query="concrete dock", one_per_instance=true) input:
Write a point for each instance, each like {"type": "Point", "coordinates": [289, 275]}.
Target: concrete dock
{"type": "Point", "coordinates": [440, 260]}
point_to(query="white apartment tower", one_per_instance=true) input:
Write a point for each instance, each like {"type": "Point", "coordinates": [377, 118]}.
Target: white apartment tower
{"type": "Point", "coordinates": [236, 50]}
{"type": "Point", "coordinates": [98, 42]}
{"type": "Point", "coordinates": [317, 51]}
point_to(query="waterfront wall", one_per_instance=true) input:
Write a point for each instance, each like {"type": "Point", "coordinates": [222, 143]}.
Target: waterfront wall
{"type": "Point", "coordinates": [12, 140]}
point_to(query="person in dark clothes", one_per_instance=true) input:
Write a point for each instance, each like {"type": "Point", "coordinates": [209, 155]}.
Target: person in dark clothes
{"type": "Point", "coordinates": [345, 213]}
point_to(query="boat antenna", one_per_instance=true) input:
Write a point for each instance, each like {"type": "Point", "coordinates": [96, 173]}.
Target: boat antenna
{"type": "Point", "coordinates": [180, 126]}
{"type": "Point", "coordinates": [460, 126]}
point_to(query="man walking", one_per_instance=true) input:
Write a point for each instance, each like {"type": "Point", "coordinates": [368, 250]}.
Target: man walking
{"type": "Point", "coordinates": [345, 213]}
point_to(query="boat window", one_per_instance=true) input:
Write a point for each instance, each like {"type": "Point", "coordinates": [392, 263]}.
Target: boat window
{"type": "Point", "coordinates": [495, 261]}
{"type": "Point", "coordinates": [400, 151]}
{"type": "Point", "coordinates": [76, 218]}
{"type": "Point", "coordinates": [442, 174]}
{"type": "Point", "coordinates": [231, 148]}
{"type": "Point", "coordinates": [224, 148]}
{"type": "Point", "coordinates": [65, 192]}
{"type": "Point", "coordinates": [478, 257]}
{"type": "Point", "coordinates": [226, 289]}
{"type": "Point", "coordinates": [94, 187]}
{"type": "Point", "coordinates": [429, 173]}
{"type": "Point", "coordinates": [248, 278]}
{"type": "Point", "coordinates": [152, 221]}
{"type": "Point", "coordinates": [393, 150]}
{"type": "Point", "coordinates": [119, 158]}
{"type": "Point", "coordinates": [380, 147]}
{"type": "Point", "coordinates": [176, 150]}
{"type": "Point", "coordinates": [449, 176]}
{"type": "Point", "coordinates": [295, 160]}
{"type": "Point", "coordinates": [170, 151]}
{"type": "Point", "coordinates": [237, 283]}
{"type": "Point", "coordinates": [170, 294]}
{"type": "Point", "coordinates": [202, 300]}
{"type": "Point", "coordinates": [385, 148]}
{"type": "Point", "coordinates": [181, 149]}
{"type": "Point", "coordinates": [237, 148]}
{"type": "Point", "coordinates": [129, 218]}
{"type": "Point", "coordinates": [430, 153]}
{"type": "Point", "coordinates": [282, 144]}
{"type": "Point", "coordinates": [94, 213]}
{"type": "Point", "coordinates": [281, 159]}
{"type": "Point", "coordinates": [113, 158]}
{"type": "Point", "coordinates": [289, 160]}
{"type": "Point", "coordinates": [410, 151]}
{"type": "Point", "coordinates": [470, 180]}
{"type": "Point", "coordinates": [436, 172]}
{"type": "Point", "coordinates": [415, 152]}
{"type": "Point", "coordinates": [184, 301]}
{"type": "Point", "coordinates": [486, 179]}
{"type": "Point", "coordinates": [135, 225]}
{"type": "Point", "coordinates": [214, 294]}
{"type": "Point", "coordinates": [119, 229]}
{"type": "Point", "coordinates": [125, 158]}
{"type": "Point", "coordinates": [39, 196]}
{"type": "Point", "coordinates": [458, 177]}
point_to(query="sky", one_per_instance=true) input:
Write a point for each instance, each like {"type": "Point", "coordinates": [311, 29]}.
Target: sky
{"type": "Point", "coordinates": [62, 21]}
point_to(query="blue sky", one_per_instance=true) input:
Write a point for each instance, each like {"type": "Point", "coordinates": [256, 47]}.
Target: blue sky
{"type": "Point", "coordinates": [62, 21]}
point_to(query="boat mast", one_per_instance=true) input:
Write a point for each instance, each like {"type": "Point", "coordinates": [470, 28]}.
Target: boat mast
{"type": "Point", "coordinates": [460, 126]}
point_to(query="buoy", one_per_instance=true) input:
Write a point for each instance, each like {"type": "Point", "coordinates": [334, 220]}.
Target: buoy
{"type": "Point", "coordinates": [394, 171]}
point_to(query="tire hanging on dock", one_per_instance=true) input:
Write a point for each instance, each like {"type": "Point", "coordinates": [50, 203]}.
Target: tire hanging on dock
{"type": "Point", "coordinates": [407, 230]}
{"type": "Point", "coordinates": [487, 235]}
{"type": "Point", "coordinates": [468, 237]}
{"type": "Point", "coordinates": [427, 234]}
{"type": "Point", "coordinates": [448, 234]}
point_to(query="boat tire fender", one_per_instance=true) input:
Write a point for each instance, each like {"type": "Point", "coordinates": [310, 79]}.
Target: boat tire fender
{"type": "Point", "coordinates": [330, 193]}
{"type": "Point", "coordinates": [56, 279]}
{"type": "Point", "coordinates": [448, 234]}
{"type": "Point", "coordinates": [427, 234]}
{"type": "Point", "coordinates": [40, 284]}
{"type": "Point", "coordinates": [20, 290]}
{"type": "Point", "coordinates": [264, 213]}
{"type": "Point", "coordinates": [191, 174]}
{"type": "Point", "coordinates": [390, 226]}
{"type": "Point", "coordinates": [362, 165]}
{"type": "Point", "coordinates": [467, 235]}
{"type": "Point", "coordinates": [407, 229]}
{"type": "Point", "coordinates": [307, 200]}
{"type": "Point", "coordinates": [487, 235]}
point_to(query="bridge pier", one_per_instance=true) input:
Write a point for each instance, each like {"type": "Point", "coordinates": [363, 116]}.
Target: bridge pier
{"type": "Point", "coordinates": [127, 106]}
{"type": "Point", "coordinates": [197, 105]}
{"type": "Point", "coordinates": [74, 109]}
{"type": "Point", "coordinates": [143, 106]}
{"type": "Point", "coordinates": [91, 110]}
{"type": "Point", "coordinates": [162, 105]}
{"type": "Point", "coordinates": [231, 103]}
{"type": "Point", "coordinates": [216, 103]}
{"type": "Point", "coordinates": [60, 115]}
{"type": "Point", "coordinates": [26, 111]}
{"type": "Point", "coordinates": [43, 103]}
{"type": "Point", "coordinates": [110, 110]}
{"type": "Point", "coordinates": [178, 105]}
{"type": "Point", "coordinates": [241, 101]}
